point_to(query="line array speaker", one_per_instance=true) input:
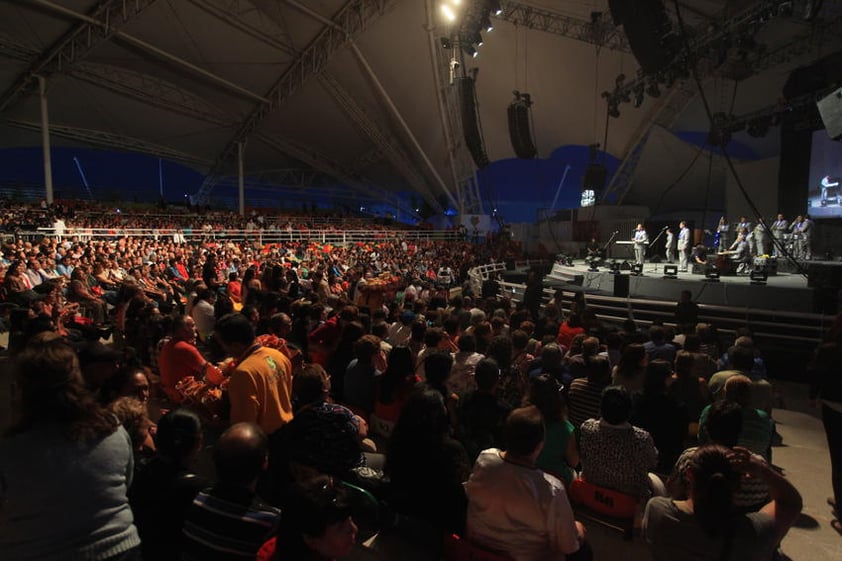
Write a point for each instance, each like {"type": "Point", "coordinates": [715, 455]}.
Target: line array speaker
{"type": "Point", "coordinates": [470, 122]}
{"type": "Point", "coordinates": [519, 131]}
{"type": "Point", "coordinates": [651, 37]}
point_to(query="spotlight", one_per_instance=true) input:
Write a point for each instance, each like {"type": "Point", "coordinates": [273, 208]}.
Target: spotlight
{"type": "Point", "coordinates": [639, 95]}
{"type": "Point", "coordinates": [448, 12]}
{"type": "Point", "coordinates": [758, 276]}
{"type": "Point", "coordinates": [495, 7]}
{"type": "Point", "coordinates": [637, 270]}
{"type": "Point", "coordinates": [446, 43]}
{"type": "Point", "coordinates": [711, 274]}
{"type": "Point", "coordinates": [670, 271]}
{"type": "Point", "coordinates": [486, 24]}
{"type": "Point", "coordinates": [653, 90]}
{"type": "Point", "coordinates": [613, 110]}
{"type": "Point", "coordinates": [477, 38]}
{"type": "Point", "coordinates": [470, 50]}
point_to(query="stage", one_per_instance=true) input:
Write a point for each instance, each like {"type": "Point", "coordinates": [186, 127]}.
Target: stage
{"type": "Point", "coordinates": [784, 291]}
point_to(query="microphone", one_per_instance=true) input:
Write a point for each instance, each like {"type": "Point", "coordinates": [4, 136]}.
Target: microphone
{"type": "Point", "coordinates": [615, 233]}
{"type": "Point", "coordinates": [665, 228]}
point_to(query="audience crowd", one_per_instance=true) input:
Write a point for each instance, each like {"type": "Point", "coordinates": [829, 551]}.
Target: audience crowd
{"type": "Point", "coordinates": [318, 373]}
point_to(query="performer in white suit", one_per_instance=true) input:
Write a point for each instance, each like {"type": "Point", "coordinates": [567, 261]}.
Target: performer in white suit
{"type": "Point", "coordinates": [641, 239]}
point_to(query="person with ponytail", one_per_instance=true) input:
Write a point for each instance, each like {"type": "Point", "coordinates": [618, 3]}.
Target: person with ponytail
{"type": "Point", "coordinates": [705, 526]}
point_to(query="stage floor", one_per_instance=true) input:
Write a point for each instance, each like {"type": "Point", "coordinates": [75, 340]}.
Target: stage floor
{"type": "Point", "coordinates": [783, 291]}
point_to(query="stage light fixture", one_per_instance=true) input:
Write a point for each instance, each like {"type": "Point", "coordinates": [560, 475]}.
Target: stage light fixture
{"type": "Point", "coordinates": [477, 38]}
{"type": "Point", "coordinates": [639, 95]}
{"type": "Point", "coordinates": [670, 271]}
{"type": "Point", "coordinates": [446, 43]}
{"type": "Point", "coordinates": [637, 270]}
{"type": "Point", "coordinates": [653, 90]}
{"type": "Point", "coordinates": [486, 24]}
{"type": "Point", "coordinates": [758, 276]}
{"type": "Point", "coordinates": [613, 110]}
{"type": "Point", "coordinates": [495, 7]}
{"type": "Point", "coordinates": [470, 50]}
{"type": "Point", "coordinates": [448, 12]}
{"type": "Point", "coordinates": [712, 274]}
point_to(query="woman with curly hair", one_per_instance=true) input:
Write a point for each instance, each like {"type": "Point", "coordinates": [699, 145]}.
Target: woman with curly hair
{"type": "Point", "coordinates": [65, 467]}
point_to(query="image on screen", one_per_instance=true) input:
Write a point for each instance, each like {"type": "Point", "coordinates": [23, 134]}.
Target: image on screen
{"type": "Point", "coordinates": [824, 197]}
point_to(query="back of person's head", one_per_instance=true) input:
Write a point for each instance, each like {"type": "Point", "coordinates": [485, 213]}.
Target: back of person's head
{"type": "Point", "coordinates": [310, 508]}
{"type": "Point", "coordinates": [279, 322]}
{"type": "Point", "coordinates": [713, 482]}
{"type": "Point", "coordinates": [551, 356]}
{"type": "Point", "coordinates": [500, 349]}
{"type": "Point", "coordinates": [615, 405]}
{"type": "Point", "coordinates": [178, 435]}
{"type": "Point", "coordinates": [657, 334]}
{"type": "Point", "coordinates": [520, 339]}
{"type": "Point", "coordinates": [52, 390]}
{"type": "Point", "coordinates": [310, 384]}
{"type": "Point", "coordinates": [738, 389]}
{"type": "Point", "coordinates": [380, 329]}
{"type": "Point", "coordinates": [132, 415]}
{"type": "Point", "coordinates": [366, 347]}
{"type": "Point", "coordinates": [467, 343]}
{"type": "Point", "coordinates": [437, 367]}
{"type": "Point", "coordinates": [433, 337]}
{"type": "Point", "coordinates": [574, 320]}
{"type": "Point", "coordinates": [632, 358]}
{"type": "Point", "coordinates": [724, 422]}
{"type": "Point", "coordinates": [598, 371]}
{"type": "Point", "coordinates": [523, 431]}
{"type": "Point", "coordinates": [545, 394]}
{"type": "Point", "coordinates": [235, 328]}
{"type": "Point", "coordinates": [692, 342]}
{"type": "Point", "coordinates": [486, 374]}
{"type": "Point", "coordinates": [240, 454]}
{"type": "Point", "coordinates": [590, 346]}
{"type": "Point", "coordinates": [656, 375]}
{"type": "Point", "coordinates": [741, 358]}
{"type": "Point", "coordinates": [684, 362]}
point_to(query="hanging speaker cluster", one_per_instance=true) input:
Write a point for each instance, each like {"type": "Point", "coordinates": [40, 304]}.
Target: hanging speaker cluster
{"type": "Point", "coordinates": [651, 37]}
{"type": "Point", "coordinates": [470, 121]}
{"type": "Point", "coordinates": [519, 126]}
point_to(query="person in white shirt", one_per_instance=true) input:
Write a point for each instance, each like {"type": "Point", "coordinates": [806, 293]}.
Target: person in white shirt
{"type": "Point", "coordinates": [683, 246]}
{"type": "Point", "coordinates": [641, 239]}
{"type": "Point", "coordinates": [516, 508]}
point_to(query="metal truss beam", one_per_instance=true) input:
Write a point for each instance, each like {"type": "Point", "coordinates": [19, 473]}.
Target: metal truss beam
{"type": "Point", "coordinates": [234, 20]}
{"type": "Point", "coordinates": [15, 50]}
{"type": "Point", "coordinates": [290, 177]}
{"type": "Point", "coordinates": [94, 23]}
{"type": "Point", "coordinates": [373, 156]}
{"type": "Point", "coordinates": [384, 142]}
{"type": "Point", "coordinates": [601, 32]}
{"type": "Point", "coordinates": [151, 90]}
{"type": "Point", "coordinates": [350, 21]}
{"type": "Point", "coordinates": [77, 43]}
{"type": "Point", "coordinates": [107, 139]}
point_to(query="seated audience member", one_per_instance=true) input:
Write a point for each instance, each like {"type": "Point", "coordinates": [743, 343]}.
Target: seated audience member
{"type": "Point", "coordinates": [660, 415]}
{"type": "Point", "coordinates": [324, 436]}
{"type": "Point", "coordinates": [560, 455]}
{"type": "Point", "coordinates": [395, 384]}
{"type": "Point", "coordinates": [629, 370]}
{"type": "Point", "coordinates": [577, 364]}
{"type": "Point", "coordinates": [360, 387]}
{"type": "Point", "coordinates": [203, 313]}
{"type": "Point", "coordinates": [481, 414]}
{"type": "Point", "coordinates": [571, 327]}
{"type": "Point", "coordinates": [65, 466]}
{"type": "Point", "coordinates": [724, 423]}
{"type": "Point", "coordinates": [657, 347]}
{"type": "Point", "coordinates": [280, 326]}
{"type": "Point", "coordinates": [521, 358]}
{"type": "Point", "coordinates": [227, 521]}
{"type": "Point", "coordinates": [461, 379]}
{"type": "Point", "coordinates": [180, 358]}
{"type": "Point", "coordinates": [426, 465]}
{"type": "Point", "coordinates": [687, 388]}
{"type": "Point", "coordinates": [704, 526]}
{"type": "Point", "coordinates": [585, 394]}
{"type": "Point", "coordinates": [164, 489]}
{"type": "Point", "coordinates": [757, 427]}
{"type": "Point", "coordinates": [316, 524]}
{"type": "Point", "coordinates": [134, 417]}
{"type": "Point", "coordinates": [516, 508]}
{"type": "Point", "coordinates": [614, 453]}
{"type": "Point", "coordinates": [260, 388]}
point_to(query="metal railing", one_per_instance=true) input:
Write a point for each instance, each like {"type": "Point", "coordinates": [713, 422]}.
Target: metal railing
{"type": "Point", "coordinates": [336, 237]}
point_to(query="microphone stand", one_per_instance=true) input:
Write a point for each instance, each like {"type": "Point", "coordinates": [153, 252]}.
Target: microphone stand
{"type": "Point", "coordinates": [651, 244]}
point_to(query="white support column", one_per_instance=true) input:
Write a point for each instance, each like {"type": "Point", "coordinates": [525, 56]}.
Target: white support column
{"type": "Point", "coordinates": [241, 180]}
{"type": "Point", "coordinates": [45, 140]}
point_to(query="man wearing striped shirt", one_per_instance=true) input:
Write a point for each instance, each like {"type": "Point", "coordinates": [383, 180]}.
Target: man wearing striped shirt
{"type": "Point", "coordinates": [227, 522]}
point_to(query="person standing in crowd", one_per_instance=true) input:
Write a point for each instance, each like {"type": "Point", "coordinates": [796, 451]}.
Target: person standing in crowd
{"type": "Point", "coordinates": [66, 466]}
{"type": "Point", "coordinates": [260, 388]}
{"type": "Point", "coordinates": [761, 238]}
{"type": "Point", "coordinates": [826, 385]}
{"type": "Point", "coordinates": [670, 246]}
{"type": "Point", "coordinates": [683, 246]}
{"type": "Point", "coordinates": [641, 240]}
{"type": "Point", "coordinates": [779, 229]}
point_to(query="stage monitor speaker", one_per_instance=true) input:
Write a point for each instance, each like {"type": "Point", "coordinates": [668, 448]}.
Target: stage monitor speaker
{"type": "Point", "coordinates": [519, 130]}
{"type": "Point", "coordinates": [621, 286]}
{"type": "Point", "coordinates": [830, 108]}
{"type": "Point", "coordinates": [651, 37]}
{"type": "Point", "coordinates": [470, 122]}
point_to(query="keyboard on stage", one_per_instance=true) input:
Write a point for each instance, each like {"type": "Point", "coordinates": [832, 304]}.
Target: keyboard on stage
{"type": "Point", "coordinates": [628, 242]}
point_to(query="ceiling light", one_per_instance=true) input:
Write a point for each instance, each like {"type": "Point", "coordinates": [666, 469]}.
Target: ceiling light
{"type": "Point", "coordinates": [448, 12]}
{"type": "Point", "coordinates": [495, 7]}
